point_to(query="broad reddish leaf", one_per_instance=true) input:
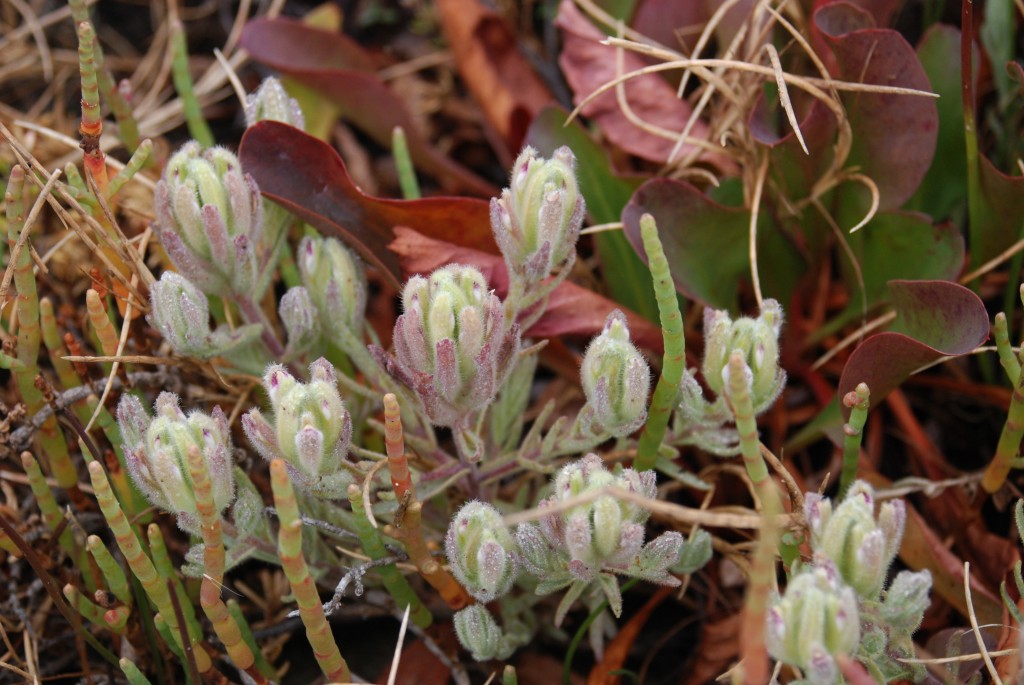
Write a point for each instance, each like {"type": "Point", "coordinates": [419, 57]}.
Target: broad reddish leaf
{"type": "Point", "coordinates": [588, 65]}
{"type": "Point", "coordinates": [662, 20]}
{"type": "Point", "coordinates": [935, 319]}
{"type": "Point", "coordinates": [881, 11]}
{"type": "Point", "coordinates": [707, 244]}
{"type": "Point", "coordinates": [901, 245]}
{"type": "Point", "coordinates": [308, 177]}
{"type": "Point", "coordinates": [572, 309]}
{"type": "Point", "coordinates": [336, 68]}
{"type": "Point", "coordinates": [893, 135]}
{"type": "Point", "coordinates": [945, 185]}
{"type": "Point", "coordinates": [502, 82]}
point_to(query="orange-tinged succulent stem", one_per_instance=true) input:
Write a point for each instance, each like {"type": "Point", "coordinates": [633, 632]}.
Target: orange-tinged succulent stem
{"type": "Point", "coordinates": [289, 545]}
{"type": "Point", "coordinates": [140, 564]}
{"type": "Point", "coordinates": [101, 323]}
{"type": "Point", "coordinates": [410, 533]}
{"type": "Point", "coordinates": [394, 444]}
{"type": "Point", "coordinates": [216, 610]}
{"type": "Point", "coordinates": [92, 122]}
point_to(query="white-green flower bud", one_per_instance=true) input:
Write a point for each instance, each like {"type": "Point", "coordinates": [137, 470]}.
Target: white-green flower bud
{"type": "Point", "coordinates": [537, 220]}
{"type": "Point", "coordinates": [156, 452]}
{"type": "Point", "coordinates": [481, 551]}
{"type": "Point", "coordinates": [300, 319]}
{"type": "Point", "coordinates": [180, 311]}
{"type": "Point", "coordinates": [271, 102]}
{"type": "Point", "coordinates": [452, 347]}
{"type": "Point", "coordinates": [209, 218]}
{"type": "Point", "coordinates": [815, 620]}
{"type": "Point", "coordinates": [312, 428]}
{"type": "Point", "coordinates": [480, 634]}
{"type": "Point", "coordinates": [336, 283]}
{"type": "Point", "coordinates": [616, 379]}
{"type": "Point", "coordinates": [906, 600]}
{"type": "Point", "coordinates": [757, 340]}
{"type": "Point", "coordinates": [861, 546]}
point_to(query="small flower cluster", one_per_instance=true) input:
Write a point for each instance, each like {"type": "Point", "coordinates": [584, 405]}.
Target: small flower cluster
{"type": "Point", "coordinates": [156, 450]}
{"type": "Point", "coordinates": [311, 429]}
{"type": "Point", "coordinates": [704, 423]}
{"type": "Point", "coordinates": [453, 348]}
{"type": "Point", "coordinates": [583, 547]}
{"type": "Point", "coordinates": [836, 604]}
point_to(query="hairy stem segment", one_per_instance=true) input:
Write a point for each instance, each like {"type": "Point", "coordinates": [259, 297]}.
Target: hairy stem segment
{"type": "Point", "coordinates": [857, 402]}
{"type": "Point", "coordinates": [674, 362]}
{"type": "Point", "coordinates": [224, 624]}
{"type": "Point", "coordinates": [140, 564]}
{"type": "Point", "coordinates": [289, 542]}
{"type": "Point", "coordinates": [394, 582]}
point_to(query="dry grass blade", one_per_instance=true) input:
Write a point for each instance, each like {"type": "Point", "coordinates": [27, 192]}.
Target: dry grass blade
{"type": "Point", "coordinates": [393, 676]}
{"type": "Point", "coordinates": [974, 626]}
{"type": "Point", "coordinates": [755, 209]}
{"type": "Point", "coordinates": [36, 28]}
{"type": "Point", "coordinates": [787, 104]}
{"type": "Point", "coordinates": [674, 512]}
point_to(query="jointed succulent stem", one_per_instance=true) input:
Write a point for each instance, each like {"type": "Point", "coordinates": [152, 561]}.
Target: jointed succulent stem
{"type": "Point", "coordinates": [674, 363]}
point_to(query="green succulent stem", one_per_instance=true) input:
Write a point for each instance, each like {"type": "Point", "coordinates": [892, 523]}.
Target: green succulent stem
{"type": "Point", "coordinates": [394, 582]}
{"type": "Point", "coordinates": [1009, 439]}
{"type": "Point", "coordinates": [858, 402]}
{"type": "Point", "coordinates": [51, 441]}
{"type": "Point", "coordinates": [403, 162]}
{"type": "Point", "coordinates": [318, 631]}
{"type": "Point", "coordinates": [183, 84]}
{"type": "Point", "coordinates": [140, 564]}
{"type": "Point", "coordinates": [674, 362]}
{"type": "Point", "coordinates": [112, 572]}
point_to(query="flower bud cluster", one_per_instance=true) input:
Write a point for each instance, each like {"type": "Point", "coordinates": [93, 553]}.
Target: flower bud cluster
{"type": "Point", "coordinates": [862, 546]}
{"type": "Point", "coordinates": [271, 102]}
{"type": "Point", "coordinates": [616, 381]}
{"type": "Point", "coordinates": [156, 450]}
{"type": "Point", "coordinates": [481, 551]}
{"type": "Point", "coordinates": [837, 604]}
{"type": "Point", "coordinates": [181, 312]}
{"type": "Point", "coordinates": [452, 346]}
{"type": "Point", "coordinates": [597, 539]}
{"type": "Point", "coordinates": [758, 341]}
{"type": "Point", "coordinates": [816, 620]}
{"type": "Point", "coordinates": [335, 281]}
{"type": "Point", "coordinates": [537, 219]}
{"type": "Point", "coordinates": [311, 428]}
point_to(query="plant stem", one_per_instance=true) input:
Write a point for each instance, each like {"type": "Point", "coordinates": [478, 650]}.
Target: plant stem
{"type": "Point", "coordinates": [406, 172]}
{"type": "Point", "coordinates": [674, 362]}
{"type": "Point", "coordinates": [857, 402]}
{"type": "Point", "coordinates": [318, 631]}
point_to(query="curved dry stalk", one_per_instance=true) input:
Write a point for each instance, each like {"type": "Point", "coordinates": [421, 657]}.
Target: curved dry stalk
{"type": "Point", "coordinates": [755, 209]}
{"type": "Point", "coordinates": [976, 629]}
{"type": "Point", "coordinates": [787, 104]}
{"type": "Point", "coordinates": [674, 512]}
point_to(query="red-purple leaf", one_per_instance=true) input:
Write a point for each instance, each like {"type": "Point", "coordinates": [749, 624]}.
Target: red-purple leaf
{"type": "Point", "coordinates": [571, 310]}
{"type": "Point", "coordinates": [893, 135]}
{"type": "Point", "coordinates": [935, 319]}
{"type": "Point", "coordinates": [588, 65]}
{"type": "Point", "coordinates": [707, 243]}
{"type": "Point", "coordinates": [308, 177]}
{"type": "Point", "coordinates": [337, 68]}
{"type": "Point", "coordinates": [503, 83]}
